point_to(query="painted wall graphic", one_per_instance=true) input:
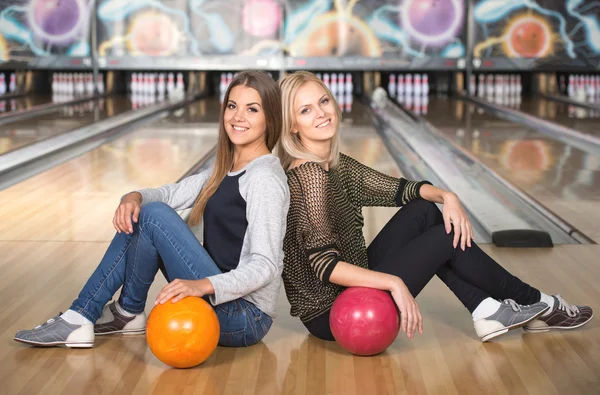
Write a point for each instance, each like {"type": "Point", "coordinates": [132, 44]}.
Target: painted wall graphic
{"type": "Point", "coordinates": [188, 27]}
{"type": "Point", "coordinates": [374, 28]}
{"type": "Point", "coordinates": [44, 28]}
{"type": "Point", "coordinates": [568, 29]}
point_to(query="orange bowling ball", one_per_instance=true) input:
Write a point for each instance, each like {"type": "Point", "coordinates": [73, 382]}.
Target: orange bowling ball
{"type": "Point", "coordinates": [529, 38]}
{"type": "Point", "coordinates": [183, 334]}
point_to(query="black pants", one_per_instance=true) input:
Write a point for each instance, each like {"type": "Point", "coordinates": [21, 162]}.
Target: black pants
{"type": "Point", "coordinates": [414, 246]}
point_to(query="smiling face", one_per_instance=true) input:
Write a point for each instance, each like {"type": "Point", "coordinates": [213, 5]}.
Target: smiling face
{"type": "Point", "coordinates": [315, 117]}
{"type": "Point", "coordinates": [244, 117]}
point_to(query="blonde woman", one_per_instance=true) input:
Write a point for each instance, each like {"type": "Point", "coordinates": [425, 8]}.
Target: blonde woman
{"type": "Point", "coordinates": [325, 249]}
{"type": "Point", "coordinates": [242, 201]}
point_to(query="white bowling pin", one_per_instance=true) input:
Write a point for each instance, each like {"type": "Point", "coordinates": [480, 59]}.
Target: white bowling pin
{"type": "Point", "coordinates": [180, 85]}
{"type": "Point", "coordinates": [12, 86]}
{"type": "Point", "coordinates": [349, 84]}
{"type": "Point", "coordinates": [2, 84]}
{"type": "Point", "coordinates": [334, 84]}
{"type": "Point", "coordinates": [100, 83]}
{"type": "Point", "coordinates": [171, 83]}
{"type": "Point", "coordinates": [472, 87]}
{"type": "Point", "coordinates": [481, 86]}
{"type": "Point", "coordinates": [392, 85]}
{"type": "Point", "coordinates": [408, 86]}
{"type": "Point", "coordinates": [425, 84]}
{"type": "Point", "coordinates": [223, 84]}
{"type": "Point", "coordinates": [401, 86]}
{"type": "Point", "coordinates": [571, 86]}
{"type": "Point", "coordinates": [417, 88]}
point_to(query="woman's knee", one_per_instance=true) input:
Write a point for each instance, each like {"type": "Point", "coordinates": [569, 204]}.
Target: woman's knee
{"type": "Point", "coordinates": [421, 205]}
{"type": "Point", "coordinates": [156, 211]}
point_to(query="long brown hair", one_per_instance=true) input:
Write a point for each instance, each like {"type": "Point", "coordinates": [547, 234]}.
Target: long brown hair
{"type": "Point", "coordinates": [269, 92]}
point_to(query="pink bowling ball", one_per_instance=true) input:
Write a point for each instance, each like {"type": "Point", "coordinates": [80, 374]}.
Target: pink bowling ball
{"type": "Point", "coordinates": [364, 321]}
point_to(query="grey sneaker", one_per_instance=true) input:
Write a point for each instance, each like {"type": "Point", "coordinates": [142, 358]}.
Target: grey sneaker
{"type": "Point", "coordinates": [510, 315]}
{"type": "Point", "coordinates": [112, 322]}
{"type": "Point", "coordinates": [58, 332]}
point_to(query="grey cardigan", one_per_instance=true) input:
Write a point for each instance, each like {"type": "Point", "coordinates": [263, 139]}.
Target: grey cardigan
{"type": "Point", "coordinates": [264, 187]}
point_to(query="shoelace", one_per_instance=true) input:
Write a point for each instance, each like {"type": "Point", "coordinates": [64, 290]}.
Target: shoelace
{"type": "Point", "coordinates": [51, 320]}
{"type": "Point", "coordinates": [570, 309]}
{"type": "Point", "coordinates": [514, 305]}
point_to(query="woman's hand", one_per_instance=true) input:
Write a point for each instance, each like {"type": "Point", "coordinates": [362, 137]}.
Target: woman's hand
{"type": "Point", "coordinates": [179, 289]}
{"type": "Point", "coordinates": [410, 314]}
{"type": "Point", "coordinates": [454, 213]}
{"type": "Point", "coordinates": [129, 207]}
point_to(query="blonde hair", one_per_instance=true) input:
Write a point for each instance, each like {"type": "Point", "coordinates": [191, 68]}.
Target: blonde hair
{"type": "Point", "coordinates": [290, 146]}
{"type": "Point", "coordinates": [270, 96]}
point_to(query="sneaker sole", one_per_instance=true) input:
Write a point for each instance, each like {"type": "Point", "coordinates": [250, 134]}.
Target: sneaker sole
{"type": "Point", "coordinates": [562, 328]}
{"type": "Point", "coordinates": [502, 331]}
{"type": "Point", "coordinates": [56, 344]}
{"type": "Point", "coordinates": [123, 332]}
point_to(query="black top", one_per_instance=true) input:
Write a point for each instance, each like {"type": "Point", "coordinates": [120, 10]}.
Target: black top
{"type": "Point", "coordinates": [225, 224]}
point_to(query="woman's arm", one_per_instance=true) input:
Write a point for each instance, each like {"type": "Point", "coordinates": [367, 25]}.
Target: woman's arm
{"type": "Point", "coordinates": [369, 187]}
{"type": "Point", "coordinates": [179, 196]}
{"type": "Point", "coordinates": [453, 214]}
{"type": "Point", "coordinates": [349, 275]}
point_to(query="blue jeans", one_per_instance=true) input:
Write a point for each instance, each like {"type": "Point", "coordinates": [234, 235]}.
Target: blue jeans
{"type": "Point", "coordinates": [162, 239]}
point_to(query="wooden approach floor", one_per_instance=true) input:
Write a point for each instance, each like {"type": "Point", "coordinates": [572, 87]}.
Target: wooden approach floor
{"type": "Point", "coordinates": [48, 250]}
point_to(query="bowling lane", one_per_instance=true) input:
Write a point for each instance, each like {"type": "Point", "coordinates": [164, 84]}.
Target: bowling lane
{"type": "Point", "coordinates": [76, 200]}
{"type": "Point", "coordinates": [28, 131]}
{"type": "Point", "coordinates": [574, 117]}
{"type": "Point", "coordinates": [563, 178]}
{"type": "Point", "coordinates": [22, 103]}
{"type": "Point", "coordinates": [361, 141]}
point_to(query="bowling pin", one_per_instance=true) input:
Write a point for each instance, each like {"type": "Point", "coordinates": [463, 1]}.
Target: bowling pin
{"type": "Point", "coordinates": [481, 86]}
{"type": "Point", "coordinates": [161, 84]}
{"type": "Point", "coordinates": [326, 80]}
{"type": "Point", "coordinates": [499, 87]}
{"type": "Point", "coordinates": [223, 84]}
{"type": "Point", "coordinates": [425, 105]}
{"type": "Point", "coordinates": [12, 86]}
{"type": "Point", "coordinates": [341, 100]}
{"type": "Point", "coordinates": [100, 83]}
{"type": "Point", "coordinates": [334, 84]}
{"type": "Point", "coordinates": [171, 83]}
{"type": "Point", "coordinates": [472, 87]}
{"type": "Point", "coordinates": [392, 85]}
{"type": "Point", "coordinates": [401, 87]}
{"type": "Point", "coordinates": [2, 84]}
{"type": "Point", "coordinates": [425, 84]}
{"type": "Point", "coordinates": [90, 84]}
{"type": "Point", "coordinates": [591, 91]}
{"type": "Point", "coordinates": [417, 108]}
{"type": "Point", "coordinates": [349, 84]}
{"type": "Point", "coordinates": [180, 85]}
{"type": "Point", "coordinates": [490, 85]}
{"type": "Point", "coordinates": [571, 86]}
{"type": "Point", "coordinates": [519, 86]}
{"type": "Point", "coordinates": [408, 86]}
{"type": "Point", "coordinates": [134, 84]}
{"type": "Point", "coordinates": [418, 87]}
{"type": "Point", "coordinates": [349, 99]}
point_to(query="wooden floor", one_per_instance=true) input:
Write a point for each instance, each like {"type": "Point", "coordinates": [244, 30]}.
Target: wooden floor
{"type": "Point", "coordinates": [50, 244]}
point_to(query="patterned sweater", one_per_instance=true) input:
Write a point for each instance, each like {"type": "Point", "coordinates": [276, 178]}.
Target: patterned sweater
{"type": "Point", "coordinates": [324, 226]}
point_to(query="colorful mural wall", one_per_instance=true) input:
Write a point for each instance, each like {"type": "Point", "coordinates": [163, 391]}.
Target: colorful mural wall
{"type": "Point", "coordinates": [541, 29]}
{"type": "Point", "coordinates": [188, 27]}
{"type": "Point", "coordinates": [375, 28]}
{"type": "Point", "coordinates": [397, 29]}
{"type": "Point", "coordinates": [44, 28]}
